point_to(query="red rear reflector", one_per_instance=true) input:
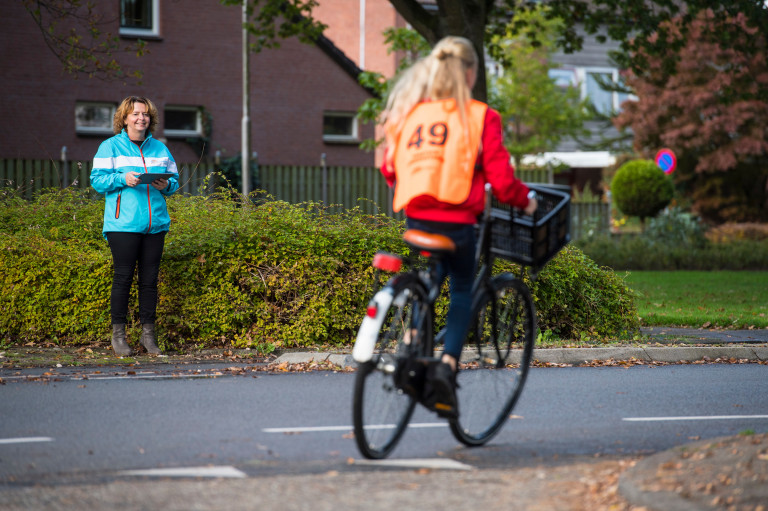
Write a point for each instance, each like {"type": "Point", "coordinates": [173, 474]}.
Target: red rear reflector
{"type": "Point", "coordinates": [372, 310]}
{"type": "Point", "coordinates": [387, 262]}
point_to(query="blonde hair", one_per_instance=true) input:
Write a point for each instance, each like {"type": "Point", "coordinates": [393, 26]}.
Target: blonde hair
{"type": "Point", "coordinates": [440, 75]}
{"type": "Point", "coordinates": [126, 107]}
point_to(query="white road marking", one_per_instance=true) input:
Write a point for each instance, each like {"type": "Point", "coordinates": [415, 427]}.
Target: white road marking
{"type": "Point", "coordinates": [693, 418]}
{"type": "Point", "coordinates": [219, 472]}
{"type": "Point", "coordinates": [323, 429]}
{"type": "Point", "coordinates": [137, 376]}
{"type": "Point", "coordinates": [430, 463]}
{"type": "Point", "coordinates": [24, 440]}
{"type": "Point", "coordinates": [141, 376]}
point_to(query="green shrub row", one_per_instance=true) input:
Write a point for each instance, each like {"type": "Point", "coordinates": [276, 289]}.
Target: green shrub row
{"type": "Point", "coordinates": [677, 240]}
{"type": "Point", "coordinates": [638, 252]}
{"type": "Point", "coordinates": [258, 273]}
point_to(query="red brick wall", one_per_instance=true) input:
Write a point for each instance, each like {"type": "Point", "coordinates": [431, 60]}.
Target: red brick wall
{"type": "Point", "coordinates": [343, 20]}
{"type": "Point", "coordinates": [196, 62]}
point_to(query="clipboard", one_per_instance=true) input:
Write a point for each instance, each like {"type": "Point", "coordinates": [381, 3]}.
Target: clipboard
{"type": "Point", "coordinates": [147, 178]}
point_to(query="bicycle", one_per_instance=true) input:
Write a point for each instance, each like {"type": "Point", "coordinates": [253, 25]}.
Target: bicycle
{"type": "Point", "coordinates": [396, 343]}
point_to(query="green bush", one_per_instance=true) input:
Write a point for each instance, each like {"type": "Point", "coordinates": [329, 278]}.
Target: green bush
{"type": "Point", "coordinates": [675, 226]}
{"type": "Point", "coordinates": [258, 273]}
{"type": "Point", "coordinates": [640, 188]}
{"type": "Point", "coordinates": [576, 298]}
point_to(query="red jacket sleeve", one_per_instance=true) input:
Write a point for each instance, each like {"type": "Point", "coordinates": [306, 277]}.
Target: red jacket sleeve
{"type": "Point", "coordinates": [389, 174]}
{"type": "Point", "coordinates": [496, 164]}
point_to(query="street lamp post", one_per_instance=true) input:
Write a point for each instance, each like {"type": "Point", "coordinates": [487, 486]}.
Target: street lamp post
{"type": "Point", "coordinates": [245, 147]}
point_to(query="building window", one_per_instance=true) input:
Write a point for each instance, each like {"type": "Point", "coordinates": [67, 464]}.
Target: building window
{"type": "Point", "coordinates": [563, 77]}
{"type": "Point", "coordinates": [606, 102]}
{"type": "Point", "coordinates": [182, 121]}
{"type": "Point", "coordinates": [339, 127]}
{"type": "Point", "coordinates": [139, 18]}
{"type": "Point", "coordinates": [601, 99]}
{"type": "Point", "coordinates": [94, 118]}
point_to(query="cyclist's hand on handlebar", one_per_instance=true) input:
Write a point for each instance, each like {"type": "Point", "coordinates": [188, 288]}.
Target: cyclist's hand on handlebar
{"type": "Point", "coordinates": [531, 207]}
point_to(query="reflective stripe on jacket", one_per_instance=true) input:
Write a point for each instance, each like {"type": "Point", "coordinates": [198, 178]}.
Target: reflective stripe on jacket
{"type": "Point", "coordinates": [140, 208]}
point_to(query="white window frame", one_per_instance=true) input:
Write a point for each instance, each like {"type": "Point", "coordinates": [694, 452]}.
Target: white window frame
{"type": "Point", "coordinates": [574, 79]}
{"type": "Point", "coordinates": [349, 138]}
{"type": "Point", "coordinates": [154, 31]}
{"type": "Point", "coordinates": [197, 132]}
{"type": "Point", "coordinates": [95, 130]}
{"type": "Point", "coordinates": [616, 97]}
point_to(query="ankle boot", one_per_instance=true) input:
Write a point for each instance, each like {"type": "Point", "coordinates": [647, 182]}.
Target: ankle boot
{"type": "Point", "coordinates": [148, 339]}
{"type": "Point", "coordinates": [119, 343]}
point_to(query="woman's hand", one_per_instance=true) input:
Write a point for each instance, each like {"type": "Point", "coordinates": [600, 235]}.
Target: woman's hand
{"type": "Point", "coordinates": [132, 178]}
{"type": "Point", "coordinates": [160, 184]}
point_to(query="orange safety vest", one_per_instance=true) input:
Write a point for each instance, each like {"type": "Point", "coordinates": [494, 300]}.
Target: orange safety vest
{"type": "Point", "coordinates": [434, 155]}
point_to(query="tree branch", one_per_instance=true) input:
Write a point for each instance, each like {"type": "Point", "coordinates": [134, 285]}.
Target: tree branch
{"type": "Point", "coordinates": [422, 21]}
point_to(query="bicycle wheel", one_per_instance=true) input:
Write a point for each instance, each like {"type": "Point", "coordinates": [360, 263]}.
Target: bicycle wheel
{"type": "Point", "coordinates": [381, 407]}
{"type": "Point", "coordinates": [502, 339]}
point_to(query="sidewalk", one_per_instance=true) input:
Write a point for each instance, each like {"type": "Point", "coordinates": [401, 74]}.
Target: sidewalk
{"type": "Point", "coordinates": [666, 345]}
{"type": "Point", "coordinates": [661, 346]}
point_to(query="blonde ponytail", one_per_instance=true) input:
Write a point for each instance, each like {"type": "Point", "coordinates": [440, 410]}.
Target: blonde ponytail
{"type": "Point", "coordinates": [440, 75]}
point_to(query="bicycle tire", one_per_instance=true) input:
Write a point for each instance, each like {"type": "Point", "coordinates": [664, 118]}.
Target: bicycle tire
{"type": "Point", "coordinates": [381, 408]}
{"type": "Point", "coordinates": [502, 337]}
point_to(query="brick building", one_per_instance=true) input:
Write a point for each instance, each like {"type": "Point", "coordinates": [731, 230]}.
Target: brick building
{"type": "Point", "coordinates": [357, 28]}
{"type": "Point", "coordinates": [303, 97]}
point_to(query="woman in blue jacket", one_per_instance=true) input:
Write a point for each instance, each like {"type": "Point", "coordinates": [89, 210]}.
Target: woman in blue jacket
{"type": "Point", "coordinates": [135, 214]}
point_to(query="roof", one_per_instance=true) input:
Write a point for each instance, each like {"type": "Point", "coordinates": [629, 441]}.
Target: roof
{"type": "Point", "coordinates": [341, 59]}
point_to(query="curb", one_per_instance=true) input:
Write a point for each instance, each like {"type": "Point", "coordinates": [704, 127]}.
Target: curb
{"type": "Point", "coordinates": [581, 356]}
{"type": "Point", "coordinates": [672, 354]}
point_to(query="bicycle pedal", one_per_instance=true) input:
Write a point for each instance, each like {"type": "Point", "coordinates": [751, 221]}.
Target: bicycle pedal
{"type": "Point", "coordinates": [446, 411]}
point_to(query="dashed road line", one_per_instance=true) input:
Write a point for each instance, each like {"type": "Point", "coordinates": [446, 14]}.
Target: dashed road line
{"type": "Point", "coordinates": [428, 463]}
{"type": "Point", "coordinates": [25, 439]}
{"type": "Point", "coordinates": [213, 472]}
{"type": "Point", "coordinates": [324, 429]}
{"type": "Point", "coordinates": [693, 418]}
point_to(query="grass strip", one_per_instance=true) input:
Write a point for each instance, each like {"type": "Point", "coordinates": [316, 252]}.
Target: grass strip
{"type": "Point", "coordinates": [701, 299]}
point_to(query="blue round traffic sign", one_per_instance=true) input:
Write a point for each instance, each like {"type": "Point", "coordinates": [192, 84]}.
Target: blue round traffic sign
{"type": "Point", "coordinates": [666, 160]}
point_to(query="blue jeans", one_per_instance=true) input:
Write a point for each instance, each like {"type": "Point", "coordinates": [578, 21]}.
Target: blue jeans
{"type": "Point", "coordinates": [460, 267]}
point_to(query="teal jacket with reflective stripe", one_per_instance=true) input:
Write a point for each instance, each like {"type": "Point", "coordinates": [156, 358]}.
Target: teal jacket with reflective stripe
{"type": "Point", "coordinates": [140, 208]}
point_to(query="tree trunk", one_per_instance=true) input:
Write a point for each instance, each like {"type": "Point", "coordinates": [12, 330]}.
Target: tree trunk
{"type": "Point", "coordinates": [465, 18]}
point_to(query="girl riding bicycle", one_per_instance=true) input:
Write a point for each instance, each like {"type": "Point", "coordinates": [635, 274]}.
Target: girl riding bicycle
{"type": "Point", "coordinates": [442, 147]}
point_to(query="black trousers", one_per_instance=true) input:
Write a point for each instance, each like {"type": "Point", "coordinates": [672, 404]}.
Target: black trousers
{"type": "Point", "coordinates": [128, 250]}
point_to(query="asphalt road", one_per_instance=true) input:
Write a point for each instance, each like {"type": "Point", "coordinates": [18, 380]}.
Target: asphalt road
{"type": "Point", "coordinates": [246, 424]}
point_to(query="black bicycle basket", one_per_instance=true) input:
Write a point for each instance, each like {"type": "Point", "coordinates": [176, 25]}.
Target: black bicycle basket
{"type": "Point", "coordinates": [532, 240]}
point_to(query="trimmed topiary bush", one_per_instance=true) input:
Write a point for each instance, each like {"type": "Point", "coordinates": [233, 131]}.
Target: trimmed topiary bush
{"type": "Point", "coordinates": [640, 188]}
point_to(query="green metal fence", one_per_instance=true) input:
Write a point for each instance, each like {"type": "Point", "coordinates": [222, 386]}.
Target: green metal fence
{"type": "Point", "coordinates": [347, 187]}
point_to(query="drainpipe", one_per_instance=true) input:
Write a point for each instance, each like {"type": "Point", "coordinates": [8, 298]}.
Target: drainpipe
{"type": "Point", "coordinates": [64, 168]}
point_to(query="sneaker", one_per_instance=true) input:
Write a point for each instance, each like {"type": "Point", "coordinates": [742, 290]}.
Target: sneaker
{"type": "Point", "coordinates": [444, 384]}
